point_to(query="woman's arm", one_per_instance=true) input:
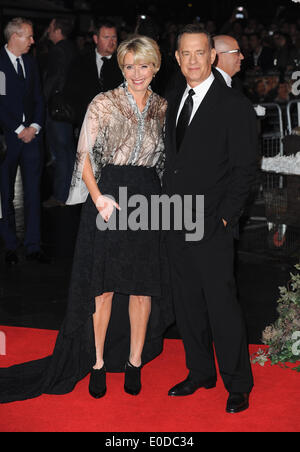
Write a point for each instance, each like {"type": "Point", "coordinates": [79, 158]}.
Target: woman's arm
{"type": "Point", "coordinates": [87, 140]}
{"type": "Point", "coordinates": [90, 181]}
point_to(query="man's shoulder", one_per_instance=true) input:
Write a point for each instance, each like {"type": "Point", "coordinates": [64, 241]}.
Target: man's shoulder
{"type": "Point", "coordinates": [232, 97]}
{"type": "Point", "coordinates": [86, 59]}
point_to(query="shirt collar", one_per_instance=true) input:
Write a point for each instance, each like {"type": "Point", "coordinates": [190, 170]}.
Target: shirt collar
{"type": "Point", "coordinates": [12, 56]}
{"type": "Point", "coordinates": [203, 87]}
{"type": "Point", "coordinates": [226, 77]}
{"type": "Point", "coordinates": [101, 56]}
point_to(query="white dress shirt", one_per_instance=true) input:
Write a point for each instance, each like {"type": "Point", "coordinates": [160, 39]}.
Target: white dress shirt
{"type": "Point", "coordinates": [226, 77]}
{"type": "Point", "coordinates": [200, 92]}
{"type": "Point", "coordinates": [13, 58]}
{"type": "Point", "coordinates": [99, 61]}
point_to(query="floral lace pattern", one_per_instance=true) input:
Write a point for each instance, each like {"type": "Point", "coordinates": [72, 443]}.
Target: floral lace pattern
{"type": "Point", "coordinates": [116, 132]}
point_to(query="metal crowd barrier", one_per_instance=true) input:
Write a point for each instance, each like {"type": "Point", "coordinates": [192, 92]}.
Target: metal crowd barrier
{"type": "Point", "coordinates": [278, 195]}
{"type": "Point", "coordinates": [271, 130]}
{"type": "Point", "coordinates": [290, 116]}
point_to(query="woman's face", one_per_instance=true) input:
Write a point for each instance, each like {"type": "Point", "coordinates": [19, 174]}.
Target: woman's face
{"type": "Point", "coordinates": [138, 76]}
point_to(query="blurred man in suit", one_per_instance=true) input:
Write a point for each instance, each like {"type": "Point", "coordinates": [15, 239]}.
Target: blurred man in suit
{"type": "Point", "coordinates": [60, 137]}
{"type": "Point", "coordinates": [94, 72]}
{"type": "Point", "coordinates": [262, 57]}
{"type": "Point", "coordinates": [21, 118]}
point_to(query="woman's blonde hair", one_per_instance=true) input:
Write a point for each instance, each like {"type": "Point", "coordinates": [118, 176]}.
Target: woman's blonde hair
{"type": "Point", "coordinates": [144, 49]}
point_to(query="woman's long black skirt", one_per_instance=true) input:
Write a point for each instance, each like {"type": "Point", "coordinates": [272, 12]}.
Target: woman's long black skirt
{"type": "Point", "coordinates": [117, 259]}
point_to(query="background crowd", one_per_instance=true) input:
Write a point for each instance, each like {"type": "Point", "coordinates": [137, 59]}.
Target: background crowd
{"type": "Point", "coordinates": [75, 66]}
{"type": "Point", "coordinates": [271, 54]}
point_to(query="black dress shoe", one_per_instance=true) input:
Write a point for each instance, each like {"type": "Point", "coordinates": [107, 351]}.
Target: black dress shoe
{"type": "Point", "coordinates": [132, 384]}
{"type": "Point", "coordinates": [237, 402]}
{"type": "Point", "coordinates": [188, 387]}
{"type": "Point", "coordinates": [97, 386]}
{"type": "Point", "coordinates": [39, 257]}
{"type": "Point", "coordinates": [11, 258]}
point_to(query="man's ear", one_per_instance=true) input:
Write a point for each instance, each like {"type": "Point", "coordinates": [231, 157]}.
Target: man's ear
{"type": "Point", "coordinates": [177, 57]}
{"type": "Point", "coordinates": [95, 39]}
{"type": "Point", "coordinates": [215, 63]}
{"type": "Point", "coordinates": [213, 56]}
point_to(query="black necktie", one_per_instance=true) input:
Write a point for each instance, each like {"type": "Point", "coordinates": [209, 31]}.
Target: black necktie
{"type": "Point", "coordinates": [20, 70]}
{"type": "Point", "coordinates": [184, 118]}
{"type": "Point", "coordinates": [102, 73]}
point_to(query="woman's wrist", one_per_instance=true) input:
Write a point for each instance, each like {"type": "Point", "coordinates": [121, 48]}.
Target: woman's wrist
{"type": "Point", "coordinates": [96, 197]}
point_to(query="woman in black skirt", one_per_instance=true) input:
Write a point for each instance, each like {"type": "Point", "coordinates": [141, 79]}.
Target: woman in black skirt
{"type": "Point", "coordinates": [119, 305]}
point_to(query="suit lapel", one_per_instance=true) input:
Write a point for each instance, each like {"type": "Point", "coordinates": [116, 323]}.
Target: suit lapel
{"type": "Point", "coordinates": [209, 103]}
{"type": "Point", "coordinates": [27, 71]}
{"type": "Point", "coordinates": [199, 120]}
{"type": "Point", "coordinates": [172, 116]}
{"type": "Point", "coordinates": [8, 64]}
{"type": "Point", "coordinates": [11, 69]}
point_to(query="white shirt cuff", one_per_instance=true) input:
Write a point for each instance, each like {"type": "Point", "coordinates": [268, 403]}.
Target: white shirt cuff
{"type": "Point", "coordinates": [37, 127]}
{"type": "Point", "coordinates": [19, 129]}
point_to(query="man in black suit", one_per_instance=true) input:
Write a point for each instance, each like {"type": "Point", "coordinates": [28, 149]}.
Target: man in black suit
{"type": "Point", "coordinates": [211, 145]}
{"type": "Point", "coordinates": [21, 118]}
{"type": "Point", "coordinates": [94, 72]}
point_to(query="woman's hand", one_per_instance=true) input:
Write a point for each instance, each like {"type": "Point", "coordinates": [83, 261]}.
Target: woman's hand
{"type": "Point", "coordinates": [106, 207]}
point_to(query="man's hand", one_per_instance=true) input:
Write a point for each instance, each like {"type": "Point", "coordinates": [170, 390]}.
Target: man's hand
{"type": "Point", "coordinates": [225, 222]}
{"type": "Point", "coordinates": [27, 135]}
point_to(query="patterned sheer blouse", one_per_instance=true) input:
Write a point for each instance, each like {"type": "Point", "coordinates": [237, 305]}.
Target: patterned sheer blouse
{"type": "Point", "coordinates": [116, 132]}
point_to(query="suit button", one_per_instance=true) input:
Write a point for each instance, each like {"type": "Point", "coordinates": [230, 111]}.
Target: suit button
{"type": "Point", "coordinates": [176, 171]}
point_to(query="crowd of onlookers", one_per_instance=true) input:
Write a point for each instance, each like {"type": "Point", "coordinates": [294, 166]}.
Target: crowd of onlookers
{"type": "Point", "coordinates": [271, 52]}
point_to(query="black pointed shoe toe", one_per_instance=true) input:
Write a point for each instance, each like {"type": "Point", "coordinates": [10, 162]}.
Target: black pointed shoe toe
{"type": "Point", "coordinates": [132, 384]}
{"type": "Point", "coordinates": [189, 387]}
{"type": "Point", "coordinates": [97, 386]}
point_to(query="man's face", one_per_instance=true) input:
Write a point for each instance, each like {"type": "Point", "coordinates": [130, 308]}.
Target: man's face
{"type": "Point", "coordinates": [52, 32]}
{"type": "Point", "coordinates": [23, 40]}
{"type": "Point", "coordinates": [195, 58]}
{"type": "Point", "coordinates": [230, 62]}
{"type": "Point", "coordinates": [106, 41]}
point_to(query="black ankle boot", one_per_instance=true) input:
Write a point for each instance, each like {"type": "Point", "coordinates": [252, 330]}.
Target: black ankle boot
{"type": "Point", "coordinates": [97, 387]}
{"type": "Point", "coordinates": [132, 379]}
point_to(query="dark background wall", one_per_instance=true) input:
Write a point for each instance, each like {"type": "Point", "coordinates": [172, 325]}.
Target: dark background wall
{"type": "Point", "coordinates": [182, 10]}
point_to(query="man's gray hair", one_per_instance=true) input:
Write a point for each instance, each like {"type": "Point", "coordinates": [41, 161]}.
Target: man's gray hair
{"type": "Point", "coordinates": [14, 26]}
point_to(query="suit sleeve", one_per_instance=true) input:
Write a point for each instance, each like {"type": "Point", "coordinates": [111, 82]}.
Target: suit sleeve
{"type": "Point", "coordinates": [7, 120]}
{"type": "Point", "coordinates": [242, 142]}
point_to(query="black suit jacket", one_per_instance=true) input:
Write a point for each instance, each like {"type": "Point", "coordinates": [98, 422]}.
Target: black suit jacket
{"type": "Point", "coordinates": [59, 61]}
{"type": "Point", "coordinates": [83, 82]}
{"type": "Point", "coordinates": [19, 97]}
{"type": "Point", "coordinates": [236, 82]}
{"type": "Point", "coordinates": [218, 156]}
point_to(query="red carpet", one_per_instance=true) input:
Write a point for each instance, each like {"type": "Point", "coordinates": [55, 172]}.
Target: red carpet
{"type": "Point", "coordinates": [274, 406]}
